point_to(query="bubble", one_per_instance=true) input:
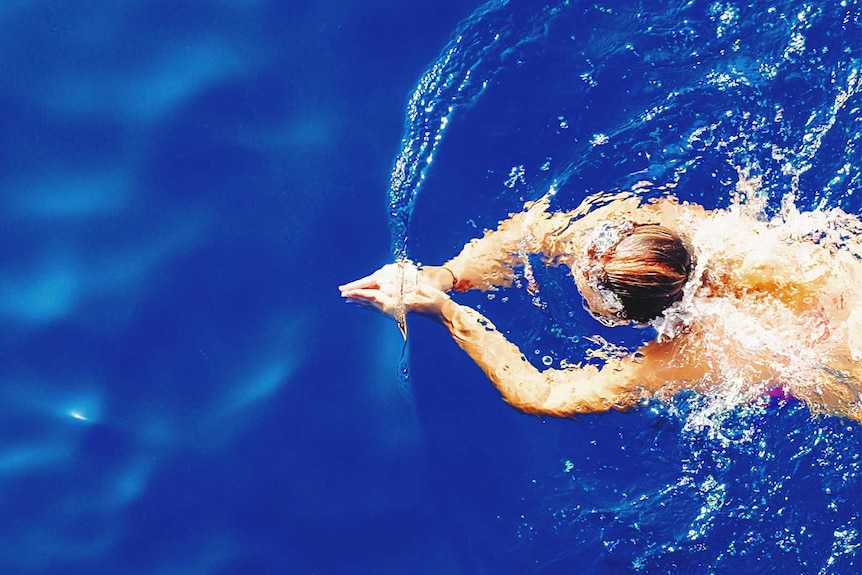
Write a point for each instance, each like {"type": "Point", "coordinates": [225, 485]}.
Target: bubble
{"type": "Point", "coordinates": [599, 140]}
{"type": "Point", "coordinates": [516, 176]}
{"type": "Point", "coordinates": [547, 360]}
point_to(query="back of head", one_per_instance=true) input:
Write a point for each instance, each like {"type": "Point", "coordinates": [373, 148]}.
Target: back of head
{"type": "Point", "coordinates": [647, 270]}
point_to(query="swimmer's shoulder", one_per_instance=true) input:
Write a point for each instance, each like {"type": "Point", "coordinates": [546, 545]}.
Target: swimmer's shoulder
{"type": "Point", "coordinates": [669, 211]}
{"type": "Point", "coordinates": [668, 366]}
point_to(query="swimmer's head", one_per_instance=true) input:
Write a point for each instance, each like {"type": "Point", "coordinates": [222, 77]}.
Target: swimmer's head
{"type": "Point", "coordinates": [632, 272]}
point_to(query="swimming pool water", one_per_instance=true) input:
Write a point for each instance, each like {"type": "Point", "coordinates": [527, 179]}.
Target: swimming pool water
{"type": "Point", "coordinates": [585, 97]}
{"type": "Point", "coordinates": [183, 186]}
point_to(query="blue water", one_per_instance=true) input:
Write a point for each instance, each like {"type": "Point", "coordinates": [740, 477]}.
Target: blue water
{"type": "Point", "coordinates": [184, 185]}
{"type": "Point", "coordinates": [585, 98]}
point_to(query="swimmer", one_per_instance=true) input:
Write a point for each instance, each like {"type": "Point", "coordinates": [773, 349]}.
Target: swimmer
{"type": "Point", "coordinates": [743, 305]}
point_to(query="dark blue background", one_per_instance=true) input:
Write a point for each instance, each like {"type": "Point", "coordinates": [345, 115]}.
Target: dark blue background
{"type": "Point", "coordinates": [184, 186]}
{"type": "Point", "coordinates": [181, 388]}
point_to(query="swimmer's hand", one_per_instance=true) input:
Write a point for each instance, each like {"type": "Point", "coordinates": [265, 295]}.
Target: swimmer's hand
{"type": "Point", "coordinates": [397, 290]}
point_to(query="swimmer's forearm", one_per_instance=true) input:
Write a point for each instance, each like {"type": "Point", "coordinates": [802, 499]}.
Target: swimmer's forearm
{"type": "Point", "coordinates": [490, 261]}
{"type": "Point", "coordinates": [551, 392]}
{"type": "Point", "coordinates": [501, 360]}
{"type": "Point", "coordinates": [485, 263]}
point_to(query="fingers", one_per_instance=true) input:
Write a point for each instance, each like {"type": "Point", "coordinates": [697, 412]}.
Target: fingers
{"type": "Point", "coordinates": [361, 303]}
{"type": "Point", "coordinates": [370, 298]}
{"type": "Point", "coordinates": [394, 274]}
{"type": "Point", "coordinates": [362, 294]}
{"type": "Point", "coordinates": [372, 281]}
{"type": "Point", "coordinates": [362, 283]}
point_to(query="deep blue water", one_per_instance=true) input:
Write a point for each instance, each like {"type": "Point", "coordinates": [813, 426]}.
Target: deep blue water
{"type": "Point", "coordinates": [184, 185]}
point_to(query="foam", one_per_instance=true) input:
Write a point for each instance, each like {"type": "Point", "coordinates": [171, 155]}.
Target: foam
{"type": "Point", "coordinates": [771, 299]}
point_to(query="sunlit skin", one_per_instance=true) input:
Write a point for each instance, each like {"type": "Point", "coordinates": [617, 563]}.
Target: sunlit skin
{"type": "Point", "coordinates": [774, 305]}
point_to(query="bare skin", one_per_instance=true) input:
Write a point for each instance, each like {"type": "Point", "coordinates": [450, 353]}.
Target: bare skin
{"type": "Point", "coordinates": [772, 306]}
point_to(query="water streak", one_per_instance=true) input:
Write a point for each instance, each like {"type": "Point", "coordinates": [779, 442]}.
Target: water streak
{"type": "Point", "coordinates": [485, 43]}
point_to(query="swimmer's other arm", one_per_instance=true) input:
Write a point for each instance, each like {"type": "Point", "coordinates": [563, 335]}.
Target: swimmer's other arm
{"type": "Point", "coordinates": [618, 385]}
{"type": "Point", "coordinates": [490, 261]}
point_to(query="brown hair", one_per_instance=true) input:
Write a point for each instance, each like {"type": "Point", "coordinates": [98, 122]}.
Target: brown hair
{"type": "Point", "coordinates": [646, 270]}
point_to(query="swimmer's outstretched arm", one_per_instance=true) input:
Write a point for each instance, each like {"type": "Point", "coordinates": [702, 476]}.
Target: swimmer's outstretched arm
{"type": "Point", "coordinates": [551, 392]}
{"type": "Point", "coordinates": [618, 385]}
{"type": "Point", "coordinates": [491, 261]}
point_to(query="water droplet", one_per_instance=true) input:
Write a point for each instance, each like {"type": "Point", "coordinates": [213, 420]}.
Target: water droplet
{"type": "Point", "coordinates": [599, 140]}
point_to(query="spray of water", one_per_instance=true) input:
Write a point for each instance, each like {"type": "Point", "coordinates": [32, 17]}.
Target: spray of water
{"type": "Point", "coordinates": [484, 44]}
{"type": "Point", "coordinates": [764, 95]}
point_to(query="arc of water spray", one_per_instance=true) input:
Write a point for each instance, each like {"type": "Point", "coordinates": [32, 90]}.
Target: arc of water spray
{"type": "Point", "coordinates": [482, 46]}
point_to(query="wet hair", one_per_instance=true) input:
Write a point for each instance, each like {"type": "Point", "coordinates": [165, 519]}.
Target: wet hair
{"type": "Point", "coordinates": [646, 270]}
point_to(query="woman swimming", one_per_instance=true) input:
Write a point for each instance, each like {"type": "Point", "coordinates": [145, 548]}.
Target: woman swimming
{"type": "Point", "coordinates": [743, 305]}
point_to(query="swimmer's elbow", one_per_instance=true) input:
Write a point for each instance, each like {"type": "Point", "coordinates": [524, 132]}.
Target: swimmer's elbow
{"type": "Point", "coordinates": [582, 404]}
{"type": "Point", "coordinates": [521, 385]}
{"type": "Point", "coordinates": [569, 392]}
